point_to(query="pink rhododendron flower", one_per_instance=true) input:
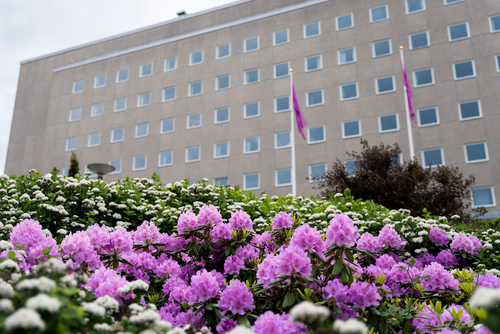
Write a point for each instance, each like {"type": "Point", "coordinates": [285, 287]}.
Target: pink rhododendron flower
{"type": "Point", "coordinates": [106, 282]}
{"type": "Point", "coordinates": [30, 234]}
{"type": "Point", "coordinates": [221, 232]}
{"type": "Point", "coordinates": [369, 243]}
{"type": "Point", "coordinates": [147, 233]}
{"type": "Point", "coordinates": [385, 261]}
{"type": "Point", "coordinates": [437, 278]}
{"type": "Point", "coordinates": [209, 216]}
{"type": "Point", "coordinates": [226, 325]}
{"type": "Point", "coordinates": [463, 244]}
{"type": "Point", "coordinates": [267, 270]}
{"type": "Point", "coordinates": [233, 265]}
{"type": "Point", "coordinates": [388, 237]}
{"type": "Point", "coordinates": [236, 298]}
{"type": "Point", "coordinates": [341, 231]}
{"type": "Point", "coordinates": [204, 286]}
{"type": "Point", "coordinates": [308, 239]}
{"type": "Point", "coordinates": [363, 295]}
{"type": "Point", "coordinates": [293, 260]}
{"type": "Point", "coordinates": [240, 220]}
{"type": "Point", "coordinates": [282, 220]}
{"type": "Point", "coordinates": [447, 259]}
{"type": "Point", "coordinates": [187, 222]}
{"type": "Point", "coordinates": [438, 237]}
{"type": "Point", "coordinates": [78, 247]}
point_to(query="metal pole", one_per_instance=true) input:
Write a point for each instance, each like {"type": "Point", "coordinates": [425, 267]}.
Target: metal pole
{"type": "Point", "coordinates": [408, 122]}
{"type": "Point", "coordinates": [292, 136]}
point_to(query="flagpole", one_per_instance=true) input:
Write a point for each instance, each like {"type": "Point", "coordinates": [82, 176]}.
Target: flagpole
{"type": "Point", "coordinates": [408, 122]}
{"type": "Point", "coordinates": [292, 136]}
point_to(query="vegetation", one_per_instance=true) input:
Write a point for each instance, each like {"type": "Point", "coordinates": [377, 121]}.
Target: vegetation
{"type": "Point", "coordinates": [74, 165]}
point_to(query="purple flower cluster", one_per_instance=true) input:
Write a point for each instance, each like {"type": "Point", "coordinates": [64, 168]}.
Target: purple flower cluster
{"type": "Point", "coordinates": [465, 244]}
{"type": "Point", "coordinates": [436, 278]}
{"type": "Point", "coordinates": [308, 239]}
{"type": "Point", "coordinates": [240, 220]}
{"type": "Point", "coordinates": [438, 237]}
{"type": "Point", "coordinates": [29, 234]}
{"type": "Point", "coordinates": [341, 231]}
{"type": "Point", "coordinates": [282, 220]}
{"type": "Point", "coordinates": [293, 261]}
{"type": "Point", "coordinates": [236, 298]}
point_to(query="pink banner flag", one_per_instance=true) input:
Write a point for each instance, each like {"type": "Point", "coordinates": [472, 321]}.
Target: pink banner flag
{"type": "Point", "coordinates": [301, 122]}
{"type": "Point", "coordinates": [408, 90]}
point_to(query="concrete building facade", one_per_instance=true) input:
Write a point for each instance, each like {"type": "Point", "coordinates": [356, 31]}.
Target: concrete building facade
{"type": "Point", "coordinates": [207, 95]}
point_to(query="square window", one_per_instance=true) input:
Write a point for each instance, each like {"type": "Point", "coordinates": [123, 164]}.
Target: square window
{"type": "Point", "coordinates": [351, 167]}
{"type": "Point", "coordinates": [251, 145]}
{"type": "Point", "coordinates": [165, 159]}
{"type": "Point", "coordinates": [97, 109]}
{"type": "Point", "coordinates": [311, 30]}
{"type": "Point", "coordinates": [314, 98]}
{"type": "Point", "coordinates": [282, 139]}
{"type": "Point", "coordinates": [221, 150]}
{"type": "Point", "coordinates": [167, 125]}
{"type": "Point", "coordinates": [65, 171]}
{"type": "Point", "coordinates": [222, 82]}
{"type": "Point", "coordinates": [193, 154]}
{"type": "Point", "coordinates": [385, 85]}
{"type": "Point", "coordinates": [78, 86]}
{"type": "Point", "coordinates": [120, 104]}
{"type": "Point", "coordinates": [221, 181]}
{"type": "Point", "coordinates": [169, 94]}
{"type": "Point", "coordinates": [223, 51]}
{"type": "Point", "coordinates": [495, 23]}
{"type": "Point", "coordinates": [196, 58]}
{"type": "Point", "coordinates": [379, 13]}
{"type": "Point", "coordinates": [423, 77]}
{"type": "Point", "coordinates": [476, 152]}
{"type": "Point", "coordinates": [251, 181]}
{"type": "Point", "coordinates": [344, 22]}
{"type": "Point", "coordinates": [139, 162]}
{"type": "Point", "coordinates": [483, 196]}
{"type": "Point", "coordinates": [313, 63]}
{"type": "Point", "coordinates": [75, 114]}
{"type": "Point", "coordinates": [100, 81]}
{"type": "Point", "coordinates": [427, 117]}
{"type": "Point", "coordinates": [449, 2]}
{"type": "Point", "coordinates": [464, 70]}
{"type": "Point", "coordinates": [280, 70]}
{"type": "Point", "coordinates": [71, 143]}
{"type": "Point", "coordinates": [388, 123]}
{"type": "Point", "coordinates": [251, 76]}
{"type": "Point", "coordinates": [283, 177]}
{"type": "Point", "coordinates": [351, 129]}
{"type": "Point", "coordinates": [170, 64]}
{"type": "Point", "coordinates": [117, 164]}
{"type": "Point", "coordinates": [144, 100]}
{"type": "Point", "coordinates": [413, 6]}
{"type": "Point", "coordinates": [94, 139]}
{"type": "Point", "coordinates": [347, 56]}
{"type": "Point", "coordinates": [420, 40]}
{"type": "Point", "coordinates": [458, 31]}
{"type": "Point", "coordinates": [222, 115]}
{"type": "Point", "coordinates": [349, 91]}
{"type": "Point", "coordinates": [382, 48]}
{"type": "Point", "coordinates": [316, 172]}
{"type": "Point", "coordinates": [122, 75]}
{"type": "Point", "coordinates": [252, 109]}
{"type": "Point", "coordinates": [282, 104]}
{"type": "Point", "coordinates": [141, 130]}
{"type": "Point", "coordinates": [470, 110]}
{"type": "Point", "coordinates": [195, 88]}
{"type": "Point", "coordinates": [194, 121]}
{"type": "Point", "coordinates": [316, 135]}
{"type": "Point", "coordinates": [281, 37]}
{"type": "Point", "coordinates": [497, 58]}
{"type": "Point", "coordinates": [251, 44]}
{"type": "Point", "coordinates": [146, 69]}
{"type": "Point", "coordinates": [433, 158]}
{"type": "Point", "coordinates": [117, 135]}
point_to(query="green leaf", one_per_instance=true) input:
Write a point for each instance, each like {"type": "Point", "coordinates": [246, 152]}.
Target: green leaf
{"type": "Point", "coordinates": [11, 255]}
{"type": "Point", "coordinates": [243, 321]}
{"type": "Point", "coordinates": [344, 277]}
{"type": "Point", "coordinates": [227, 251]}
{"type": "Point", "coordinates": [383, 328]}
{"type": "Point", "coordinates": [289, 299]}
{"type": "Point", "coordinates": [337, 267]}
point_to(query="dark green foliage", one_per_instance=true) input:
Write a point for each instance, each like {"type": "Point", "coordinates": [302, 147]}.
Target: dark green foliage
{"type": "Point", "coordinates": [438, 191]}
{"type": "Point", "coordinates": [74, 165]}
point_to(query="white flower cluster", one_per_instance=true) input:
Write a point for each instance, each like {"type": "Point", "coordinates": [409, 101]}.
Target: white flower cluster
{"type": "Point", "coordinates": [307, 311]}
{"type": "Point", "coordinates": [485, 298]}
{"type": "Point", "coordinates": [25, 319]}
{"type": "Point", "coordinates": [6, 306]}
{"type": "Point", "coordinates": [9, 265]}
{"type": "Point", "coordinates": [109, 303]}
{"type": "Point", "coordinates": [351, 326]}
{"type": "Point", "coordinates": [42, 302]}
{"type": "Point", "coordinates": [42, 284]}
{"type": "Point", "coordinates": [6, 290]}
{"type": "Point", "coordinates": [94, 309]}
{"type": "Point", "coordinates": [133, 286]}
{"type": "Point", "coordinates": [148, 316]}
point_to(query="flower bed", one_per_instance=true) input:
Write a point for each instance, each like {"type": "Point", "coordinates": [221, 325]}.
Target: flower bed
{"type": "Point", "coordinates": [135, 256]}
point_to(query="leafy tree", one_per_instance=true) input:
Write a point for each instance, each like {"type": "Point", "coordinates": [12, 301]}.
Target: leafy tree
{"type": "Point", "coordinates": [74, 165]}
{"type": "Point", "coordinates": [438, 191]}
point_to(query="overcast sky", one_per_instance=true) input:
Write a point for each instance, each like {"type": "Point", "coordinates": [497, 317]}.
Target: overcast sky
{"type": "Point", "coordinates": [31, 28]}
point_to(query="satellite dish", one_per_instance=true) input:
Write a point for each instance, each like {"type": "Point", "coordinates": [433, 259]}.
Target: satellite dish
{"type": "Point", "coordinates": [100, 169]}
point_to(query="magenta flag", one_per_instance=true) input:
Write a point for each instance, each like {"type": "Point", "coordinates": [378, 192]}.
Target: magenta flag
{"type": "Point", "coordinates": [301, 122]}
{"type": "Point", "coordinates": [408, 90]}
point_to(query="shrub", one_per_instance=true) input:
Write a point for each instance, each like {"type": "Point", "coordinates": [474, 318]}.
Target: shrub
{"type": "Point", "coordinates": [74, 165]}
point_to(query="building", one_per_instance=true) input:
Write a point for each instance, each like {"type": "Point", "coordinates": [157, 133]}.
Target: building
{"type": "Point", "coordinates": [207, 94]}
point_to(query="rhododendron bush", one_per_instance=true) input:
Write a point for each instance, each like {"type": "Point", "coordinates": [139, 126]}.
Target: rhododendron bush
{"type": "Point", "coordinates": [220, 260]}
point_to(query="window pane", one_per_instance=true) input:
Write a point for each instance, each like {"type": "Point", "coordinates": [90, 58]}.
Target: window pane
{"type": "Point", "coordinates": [282, 139]}
{"type": "Point", "coordinates": [100, 81]}
{"type": "Point", "coordinates": [349, 91]}
{"type": "Point", "coordinates": [433, 157]}
{"type": "Point", "coordinates": [317, 171]}
{"type": "Point", "coordinates": [281, 37]}
{"type": "Point", "coordinates": [351, 129]}
{"type": "Point", "coordinates": [221, 181]}
{"type": "Point", "coordinates": [419, 40]}
{"type": "Point", "coordinates": [167, 125]}
{"type": "Point", "coordinates": [222, 115]}
{"type": "Point", "coordinates": [195, 88]}
{"type": "Point", "coordinates": [141, 130]}
{"type": "Point", "coordinates": [165, 158]}
{"type": "Point", "coordinates": [117, 135]}
{"type": "Point", "coordinates": [75, 114]}
{"type": "Point", "coordinates": [388, 123]}
{"type": "Point", "coordinates": [428, 116]}
{"type": "Point", "coordinates": [144, 99]}
{"type": "Point", "coordinates": [312, 29]}
{"type": "Point", "coordinates": [382, 48]}
{"type": "Point", "coordinates": [415, 5]}
{"type": "Point", "coordinates": [140, 162]}
{"type": "Point", "coordinates": [282, 103]}
{"type": "Point", "coordinates": [223, 51]}
{"type": "Point", "coordinates": [169, 94]}
{"type": "Point", "coordinates": [314, 98]}
{"type": "Point", "coordinates": [122, 76]}
{"type": "Point", "coordinates": [221, 149]}
{"type": "Point", "coordinates": [423, 77]}
{"type": "Point", "coordinates": [251, 76]}
{"type": "Point", "coordinates": [483, 196]}
{"type": "Point", "coordinates": [146, 69]}
{"type": "Point", "coordinates": [313, 63]}
{"type": "Point", "coordinates": [251, 44]}
{"type": "Point", "coordinates": [346, 56]}
{"type": "Point", "coordinates": [452, 1]}
{"type": "Point", "coordinates": [476, 152]}
{"type": "Point", "coordinates": [171, 64]}
{"type": "Point", "coordinates": [120, 104]}
{"type": "Point", "coordinates": [97, 109]}
{"type": "Point", "coordinates": [351, 167]}
{"type": "Point", "coordinates": [385, 84]}
{"type": "Point", "coordinates": [78, 86]}
{"type": "Point", "coordinates": [94, 139]}
{"type": "Point", "coordinates": [252, 181]}
{"type": "Point", "coordinates": [252, 109]}
{"type": "Point", "coordinates": [283, 177]}
{"type": "Point", "coordinates": [469, 110]}
{"type": "Point", "coordinates": [251, 144]}
{"type": "Point", "coordinates": [344, 22]}
{"type": "Point", "coordinates": [193, 153]}
{"type": "Point", "coordinates": [458, 31]}
{"type": "Point", "coordinates": [194, 121]}
{"type": "Point", "coordinates": [117, 164]}
{"type": "Point", "coordinates": [71, 143]}
{"type": "Point", "coordinates": [196, 57]}
{"type": "Point", "coordinates": [223, 82]}
{"type": "Point", "coordinates": [316, 134]}
{"type": "Point", "coordinates": [281, 70]}
{"type": "Point", "coordinates": [378, 13]}
{"type": "Point", "coordinates": [463, 70]}
{"type": "Point", "coordinates": [495, 23]}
